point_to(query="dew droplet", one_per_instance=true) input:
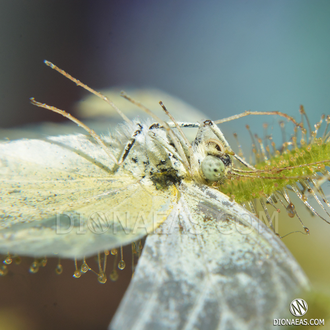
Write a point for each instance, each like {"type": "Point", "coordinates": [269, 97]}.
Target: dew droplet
{"type": "Point", "coordinates": [114, 276]}
{"type": "Point", "coordinates": [8, 260]}
{"type": "Point", "coordinates": [84, 267]}
{"type": "Point", "coordinates": [134, 248]}
{"type": "Point", "coordinates": [77, 273]}
{"type": "Point", "coordinates": [34, 267]}
{"type": "Point", "coordinates": [43, 262]}
{"type": "Point", "coordinates": [121, 264]}
{"type": "Point", "coordinates": [291, 210]}
{"type": "Point", "coordinates": [3, 270]}
{"type": "Point", "coordinates": [101, 277]}
{"type": "Point", "coordinates": [114, 252]}
{"type": "Point", "coordinates": [59, 269]}
{"type": "Point", "coordinates": [17, 260]}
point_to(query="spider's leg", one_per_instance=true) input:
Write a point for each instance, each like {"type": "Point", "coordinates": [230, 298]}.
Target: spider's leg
{"type": "Point", "coordinates": [130, 143]}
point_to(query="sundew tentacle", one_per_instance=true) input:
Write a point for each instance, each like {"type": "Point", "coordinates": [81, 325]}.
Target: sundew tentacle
{"type": "Point", "coordinates": [299, 164]}
{"type": "Point", "coordinates": [98, 266]}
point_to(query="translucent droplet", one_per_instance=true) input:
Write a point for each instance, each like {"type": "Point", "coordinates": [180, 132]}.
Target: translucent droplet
{"type": "Point", "coordinates": [291, 210]}
{"type": "Point", "coordinates": [59, 269]}
{"type": "Point", "coordinates": [17, 260]}
{"type": "Point", "coordinates": [114, 276]}
{"type": "Point", "coordinates": [84, 267]}
{"type": "Point", "coordinates": [134, 247]}
{"type": "Point", "coordinates": [77, 273]}
{"type": "Point", "coordinates": [8, 260]}
{"type": "Point", "coordinates": [306, 230]}
{"type": "Point", "coordinates": [34, 267]}
{"type": "Point", "coordinates": [102, 278]}
{"type": "Point", "coordinates": [114, 252]}
{"type": "Point", "coordinates": [3, 270]}
{"type": "Point", "coordinates": [43, 262]}
{"type": "Point", "coordinates": [106, 252]}
{"type": "Point", "coordinates": [121, 264]}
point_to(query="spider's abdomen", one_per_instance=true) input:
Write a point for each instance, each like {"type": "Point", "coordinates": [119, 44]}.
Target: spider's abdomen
{"type": "Point", "coordinates": [213, 168]}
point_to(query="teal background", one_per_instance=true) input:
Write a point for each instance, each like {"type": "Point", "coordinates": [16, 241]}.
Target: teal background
{"type": "Point", "coordinates": [223, 57]}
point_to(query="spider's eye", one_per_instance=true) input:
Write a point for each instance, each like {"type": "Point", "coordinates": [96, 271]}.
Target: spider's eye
{"type": "Point", "coordinates": [213, 168]}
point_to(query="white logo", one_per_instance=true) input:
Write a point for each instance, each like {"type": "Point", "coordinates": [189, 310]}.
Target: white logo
{"type": "Point", "coordinates": [298, 307]}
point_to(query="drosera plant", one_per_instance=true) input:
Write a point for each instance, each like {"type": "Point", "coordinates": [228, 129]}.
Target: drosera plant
{"type": "Point", "coordinates": [151, 167]}
{"type": "Point", "coordinates": [299, 166]}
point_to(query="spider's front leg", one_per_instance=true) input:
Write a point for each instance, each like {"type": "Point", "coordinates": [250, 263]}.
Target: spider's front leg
{"type": "Point", "coordinates": [130, 143]}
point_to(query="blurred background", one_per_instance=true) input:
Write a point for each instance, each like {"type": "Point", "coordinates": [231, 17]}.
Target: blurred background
{"type": "Point", "coordinates": [222, 57]}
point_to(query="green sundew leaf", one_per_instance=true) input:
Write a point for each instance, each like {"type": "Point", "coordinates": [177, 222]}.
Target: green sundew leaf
{"type": "Point", "coordinates": [244, 189]}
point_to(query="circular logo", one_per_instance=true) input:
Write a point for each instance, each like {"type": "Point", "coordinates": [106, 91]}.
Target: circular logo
{"type": "Point", "coordinates": [298, 307]}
